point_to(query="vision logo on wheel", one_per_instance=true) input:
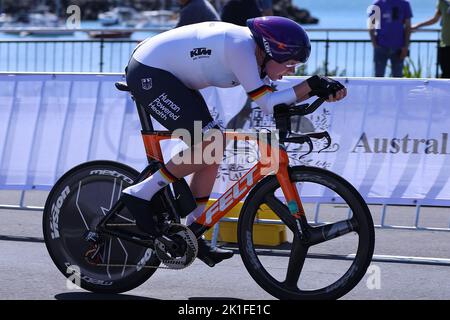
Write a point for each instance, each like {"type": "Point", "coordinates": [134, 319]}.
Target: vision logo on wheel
{"type": "Point", "coordinates": [55, 213]}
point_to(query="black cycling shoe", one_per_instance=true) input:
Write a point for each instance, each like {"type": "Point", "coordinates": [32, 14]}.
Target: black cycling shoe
{"type": "Point", "coordinates": [143, 211]}
{"type": "Point", "coordinates": [211, 256]}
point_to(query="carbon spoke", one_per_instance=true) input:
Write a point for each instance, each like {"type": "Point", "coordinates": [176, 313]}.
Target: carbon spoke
{"type": "Point", "coordinates": [331, 231]}
{"type": "Point", "coordinates": [281, 210]}
{"type": "Point", "coordinates": [78, 206]}
{"type": "Point", "coordinates": [296, 261]}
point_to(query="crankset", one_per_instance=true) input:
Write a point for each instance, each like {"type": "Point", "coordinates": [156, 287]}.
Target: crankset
{"type": "Point", "coordinates": [178, 248]}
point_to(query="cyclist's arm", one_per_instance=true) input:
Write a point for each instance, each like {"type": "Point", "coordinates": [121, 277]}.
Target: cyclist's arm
{"type": "Point", "coordinates": [302, 91]}
{"type": "Point", "coordinates": [246, 70]}
{"type": "Point", "coordinates": [266, 98]}
{"type": "Point", "coordinates": [429, 22]}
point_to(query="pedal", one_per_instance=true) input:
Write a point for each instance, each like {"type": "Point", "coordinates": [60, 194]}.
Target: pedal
{"type": "Point", "coordinates": [178, 248]}
{"type": "Point", "coordinates": [208, 261]}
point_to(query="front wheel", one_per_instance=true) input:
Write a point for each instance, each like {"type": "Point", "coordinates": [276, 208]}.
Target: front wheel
{"type": "Point", "coordinates": [79, 199]}
{"type": "Point", "coordinates": [331, 258]}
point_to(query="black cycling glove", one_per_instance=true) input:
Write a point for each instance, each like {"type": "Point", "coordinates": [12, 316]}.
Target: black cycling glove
{"type": "Point", "coordinates": [323, 87]}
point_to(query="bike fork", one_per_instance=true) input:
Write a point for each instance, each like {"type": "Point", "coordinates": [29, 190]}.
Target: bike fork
{"type": "Point", "coordinates": [291, 195]}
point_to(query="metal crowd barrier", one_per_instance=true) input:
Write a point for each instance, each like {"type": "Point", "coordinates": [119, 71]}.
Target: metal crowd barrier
{"type": "Point", "coordinates": [381, 224]}
{"type": "Point", "coordinates": [331, 55]}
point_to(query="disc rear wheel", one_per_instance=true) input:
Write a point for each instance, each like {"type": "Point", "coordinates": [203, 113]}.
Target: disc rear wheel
{"type": "Point", "coordinates": [75, 205]}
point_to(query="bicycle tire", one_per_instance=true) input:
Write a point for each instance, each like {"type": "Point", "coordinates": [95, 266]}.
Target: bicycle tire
{"type": "Point", "coordinates": [278, 287]}
{"type": "Point", "coordinates": [78, 199]}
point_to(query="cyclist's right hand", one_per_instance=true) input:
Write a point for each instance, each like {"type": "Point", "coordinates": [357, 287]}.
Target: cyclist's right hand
{"type": "Point", "coordinates": [326, 88]}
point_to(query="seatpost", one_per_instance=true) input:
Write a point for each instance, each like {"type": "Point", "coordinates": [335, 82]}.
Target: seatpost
{"type": "Point", "coordinates": [144, 118]}
{"type": "Point", "coordinates": [147, 128]}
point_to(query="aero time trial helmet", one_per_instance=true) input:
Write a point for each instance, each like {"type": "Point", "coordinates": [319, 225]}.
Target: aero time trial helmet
{"type": "Point", "coordinates": [281, 38]}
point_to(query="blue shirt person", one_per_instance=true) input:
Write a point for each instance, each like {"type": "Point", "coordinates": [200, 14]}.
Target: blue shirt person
{"type": "Point", "coordinates": [391, 40]}
{"type": "Point", "coordinates": [266, 7]}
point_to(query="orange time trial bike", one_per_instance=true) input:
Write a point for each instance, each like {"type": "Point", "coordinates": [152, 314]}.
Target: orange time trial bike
{"type": "Point", "coordinates": [92, 237]}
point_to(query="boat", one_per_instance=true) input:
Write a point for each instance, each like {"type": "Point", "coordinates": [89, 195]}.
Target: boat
{"type": "Point", "coordinates": [5, 18]}
{"type": "Point", "coordinates": [108, 18]}
{"type": "Point", "coordinates": [40, 22]}
{"type": "Point", "coordinates": [47, 31]}
{"type": "Point", "coordinates": [124, 16]}
{"type": "Point", "coordinates": [158, 18]}
{"type": "Point", "coordinates": [110, 34]}
{"type": "Point", "coordinates": [42, 17]}
{"type": "Point", "coordinates": [16, 24]}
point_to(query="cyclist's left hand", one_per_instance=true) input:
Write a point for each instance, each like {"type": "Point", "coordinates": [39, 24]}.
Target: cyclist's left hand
{"type": "Point", "coordinates": [329, 89]}
{"type": "Point", "coordinates": [341, 94]}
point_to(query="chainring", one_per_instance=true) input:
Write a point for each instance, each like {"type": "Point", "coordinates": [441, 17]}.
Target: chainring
{"type": "Point", "coordinates": [185, 237]}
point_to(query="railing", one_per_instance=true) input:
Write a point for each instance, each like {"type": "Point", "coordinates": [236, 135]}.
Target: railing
{"type": "Point", "coordinates": [331, 56]}
{"type": "Point", "coordinates": [65, 55]}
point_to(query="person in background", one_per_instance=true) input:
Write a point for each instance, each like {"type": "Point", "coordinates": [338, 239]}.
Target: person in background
{"type": "Point", "coordinates": [239, 11]}
{"type": "Point", "coordinates": [442, 11]}
{"type": "Point", "coordinates": [195, 11]}
{"type": "Point", "coordinates": [391, 41]}
{"type": "Point", "coordinates": [266, 7]}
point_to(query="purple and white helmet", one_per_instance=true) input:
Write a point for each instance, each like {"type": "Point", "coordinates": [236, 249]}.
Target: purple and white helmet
{"type": "Point", "coordinates": [281, 38]}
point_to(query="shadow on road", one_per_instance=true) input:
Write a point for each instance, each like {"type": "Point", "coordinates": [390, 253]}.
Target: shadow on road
{"type": "Point", "coordinates": [106, 296]}
{"type": "Point", "coordinates": [212, 298]}
{"type": "Point", "coordinates": [98, 296]}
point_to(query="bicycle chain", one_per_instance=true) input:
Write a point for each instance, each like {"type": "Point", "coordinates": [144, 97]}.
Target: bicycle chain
{"type": "Point", "coordinates": [134, 266]}
{"type": "Point", "coordinates": [190, 253]}
{"type": "Point", "coordinates": [177, 263]}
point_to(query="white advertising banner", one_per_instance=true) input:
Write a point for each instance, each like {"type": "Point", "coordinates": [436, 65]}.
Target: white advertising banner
{"type": "Point", "coordinates": [390, 137]}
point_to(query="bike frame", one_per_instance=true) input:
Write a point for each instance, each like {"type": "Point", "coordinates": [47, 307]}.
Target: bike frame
{"type": "Point", "coordinates": [174, 244]}
{"type": "Point", "coordinates": [269, 162]}
{"type": "Point", "coordinates": [274, 160]}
